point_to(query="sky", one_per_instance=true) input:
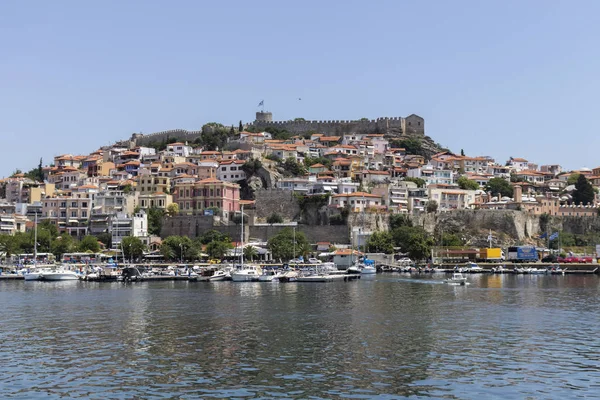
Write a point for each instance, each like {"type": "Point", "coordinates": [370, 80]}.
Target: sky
{"type": "Point", "coordinates": [497, 78]}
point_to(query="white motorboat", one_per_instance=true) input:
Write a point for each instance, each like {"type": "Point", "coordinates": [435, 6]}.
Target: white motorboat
{"type": "Point", "coordinates": [59, 274]}
{"type": "Point", "coordinates": [219, 275]}
{"type": "Point", "coordinates": [471, 268]}
{"type": "Point", "coordinates": [34, 274]}
{"type": "Point", "coordinates": [457, 279]}
{"type": "Point", "coordinates": [268, 275]}
{"type": "Point", "coordinates": [368, 268]}
{"type": "Point", "coordinates": [246, 273]}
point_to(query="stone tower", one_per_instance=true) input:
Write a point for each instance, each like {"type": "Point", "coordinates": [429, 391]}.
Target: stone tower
{"type": "Point", "coordinates": [264, 116]}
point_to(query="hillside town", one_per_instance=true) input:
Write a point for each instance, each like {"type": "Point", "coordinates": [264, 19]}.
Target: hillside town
{"type": "Point", "coordinates": [133, 190]}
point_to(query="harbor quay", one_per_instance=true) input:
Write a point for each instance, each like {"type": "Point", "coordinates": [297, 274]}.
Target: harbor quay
{"type": "Point", "coordinates": [183, 272]}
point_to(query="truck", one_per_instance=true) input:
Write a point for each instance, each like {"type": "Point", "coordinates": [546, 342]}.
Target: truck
{"type": "Point", "coordinates": [491, 254]}
{"type": "Point", "coordinates": [522, 254]}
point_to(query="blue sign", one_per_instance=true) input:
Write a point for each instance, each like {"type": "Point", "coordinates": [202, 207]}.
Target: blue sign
{"type": "Point", "coordinates": [526, 253]}
{"type": "Point", "coordinates": [209, 212]}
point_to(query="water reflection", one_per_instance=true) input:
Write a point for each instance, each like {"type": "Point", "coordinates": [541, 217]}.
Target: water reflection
{"type": "Point", "coordinates": [504, 335]}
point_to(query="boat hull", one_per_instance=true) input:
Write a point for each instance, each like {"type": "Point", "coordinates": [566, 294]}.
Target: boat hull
{"type": "Point", "coordinates": [59, 276]}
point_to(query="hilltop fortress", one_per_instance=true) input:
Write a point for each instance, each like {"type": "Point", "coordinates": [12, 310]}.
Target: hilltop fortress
{"type": "Point", "coordinates": [395, 126]}
{"type": "Point", "coordinates": [413, 124]}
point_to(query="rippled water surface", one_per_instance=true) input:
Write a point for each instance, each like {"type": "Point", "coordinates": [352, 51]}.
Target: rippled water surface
{"type": "Point", "coordinates": [388, 337]}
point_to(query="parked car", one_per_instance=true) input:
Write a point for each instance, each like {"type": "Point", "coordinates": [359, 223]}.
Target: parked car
{"type": "Point", "coordinates": [313, 260]}
{"type": "Point", "coordinates": [568, 259]}
{"type": "Point", "coordinates": [551, 258]}
{"type": "Point", "coordinates": [296, 261]}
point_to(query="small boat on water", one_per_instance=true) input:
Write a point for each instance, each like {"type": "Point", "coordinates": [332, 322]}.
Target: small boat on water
{"type": "Point", "coordinates": [58, 274]}
{"type": "Point", "coordinates": [246, 273]}
{"type": "Point", "coordinates": [457, 279]}
{"type": "Point", "coordinates": [500, 269]}
{"type": "Point", "coordinates": [471, 268]}
{"type": "Point", "coordinates": [34, 274]}
{"type": "Point", "coordinates": [368, 267]}
{"type": "Point", "coordinates": [268, 275]}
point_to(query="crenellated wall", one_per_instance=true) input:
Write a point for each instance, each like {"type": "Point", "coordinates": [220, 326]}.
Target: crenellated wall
{"type": "Point", "coordinates": [180, 134]}
{"type": "Point", "coordinates": [411, 124]}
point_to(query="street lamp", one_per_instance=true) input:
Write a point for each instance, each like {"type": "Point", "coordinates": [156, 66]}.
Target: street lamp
{"type": "Point", "coordinates": [181, 253]}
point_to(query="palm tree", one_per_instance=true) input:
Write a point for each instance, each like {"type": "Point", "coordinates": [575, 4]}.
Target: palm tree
{"type": "Point", "coordinates": [250, 252]}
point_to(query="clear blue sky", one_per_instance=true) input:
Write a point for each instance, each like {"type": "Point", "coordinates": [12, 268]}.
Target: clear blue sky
{"type": "Point", "coordinates": [498, 78]}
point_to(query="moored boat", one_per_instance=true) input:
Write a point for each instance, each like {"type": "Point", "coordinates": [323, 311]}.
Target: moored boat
{"type": "Point", "coordinates": [246, 273]}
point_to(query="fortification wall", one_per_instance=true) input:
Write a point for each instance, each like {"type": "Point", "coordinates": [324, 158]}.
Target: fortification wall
{"type": "Point", "coordinates": [181, 135]}
{"type": "Point", "coordinates": [278, 201]}
{"type": "Point", "coordinates": [338, 234]}
{"type": "Point", "coordinates": [411, 124]}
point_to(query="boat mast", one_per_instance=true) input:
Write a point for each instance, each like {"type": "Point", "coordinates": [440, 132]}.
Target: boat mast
{"type": "Point", "coordinates": [242, 239]}
{"type": "Point", "coordinates": [35, 239]}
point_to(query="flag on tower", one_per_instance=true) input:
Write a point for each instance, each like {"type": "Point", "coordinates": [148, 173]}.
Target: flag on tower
{"type": "Point", "coordinates": [262, 103]}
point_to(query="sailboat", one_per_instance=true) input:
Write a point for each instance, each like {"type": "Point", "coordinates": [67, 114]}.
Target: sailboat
{"type": "Point", "coordinates": [47, 274]}
{"type": "Point", "coordinates": [245, 273]}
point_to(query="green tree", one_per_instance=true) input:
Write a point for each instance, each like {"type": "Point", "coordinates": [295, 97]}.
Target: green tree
{"type": "Point", "coordinates": [432, 206]}
{"type": "Point", "coordinates": [462, 152]}
{"type": "Point", "coordinates": [413, 240]}
{"type": "Point", "coordinates": [299, 119]}
{"type": "Point", "coordinates": [411, 146]}
{"type": "Point", "coordinates": [105, 238]}
{"type": "Point", "coordinates": [282, 245]}
{"type": "Point", "coordinates": [398, 220]}
{"type": "Point", "coordinates": [213, 236]}
{"type": "Point", "coordinates": [467, 184]}
{"type": "Point", "coordinates": [217, 249]}
{"type": "Point", "coordinates": [380, 242]}
{"type": "Point", "coordinates": [133, 248]}
{"type": "Point", "coordinates": [49, 227]}
{"type": "Point", "coordinates": [584, 192]}
{"type": "Point", "coordinates": [250, 253]}
{"type": "Point", "coordinates": [572, 179]}
{"type": "Point", "coordinates": [420, 182]}
{"type": "Point", "coordinates": [451, 240]}
{"type": "Point", "coordinates": [9, 245]}
{"type": "Point", "coordinates": [155, 220]}
{"type": "Point", "coordinates": [499, 185]}
{"type": "Point", "coordinates": [274, 218]}
{"type": "Point", "coordinates": [240, 127]}
{"type": "Point", "coordinates": [175, 247]}
{"type": "Point", "coordinates": [172, 209]}
{"type": "Point", "coordinates": [90, 244]}
{"type": "Point", "coordinates": [251, 166]}
{"type": "Point", "coordinates": [294, 167]}
{"type": "Point", "coordinates": [63, 244]}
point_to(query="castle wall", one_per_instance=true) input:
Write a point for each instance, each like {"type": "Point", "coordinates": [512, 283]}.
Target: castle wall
{"type": "Point", "coordinates": [341, 127]}
{"type": "Point", "coordinates": [181, 135]}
